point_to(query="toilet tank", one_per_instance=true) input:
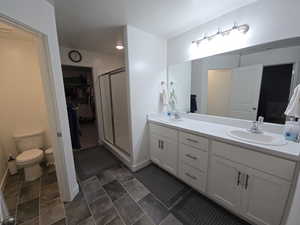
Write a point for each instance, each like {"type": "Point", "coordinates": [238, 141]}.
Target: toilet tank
{"type": "Point", "coordinates": [29, 141]}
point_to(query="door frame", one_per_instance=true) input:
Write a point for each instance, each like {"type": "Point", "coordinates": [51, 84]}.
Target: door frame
{"type": "Point", "coordinates": [95, 100]}
{"type": "Point", "coordinates": [65, 169]}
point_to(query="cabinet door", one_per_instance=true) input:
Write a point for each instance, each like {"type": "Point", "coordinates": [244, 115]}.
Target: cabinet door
{"type": "Point", "coordinates": [170, 152]}
{"type": "Point", "coordinates": [226, 178]}
{"type": "Point", "coordinates": [156, 151]}
{"type": "Point", "coordinates": [264, 198]}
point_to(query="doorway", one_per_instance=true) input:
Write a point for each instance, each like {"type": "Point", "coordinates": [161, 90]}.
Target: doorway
{"type": "Point", "coordinates": [27, 171]}
{"type": "Point", "coordinates": [275, 92]}
{"type": "Point", "coordinates": [79, 89]}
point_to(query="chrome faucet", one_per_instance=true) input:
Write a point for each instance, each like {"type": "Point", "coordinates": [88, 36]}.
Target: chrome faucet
{"type": "Point", "coordinates": [256, 126]}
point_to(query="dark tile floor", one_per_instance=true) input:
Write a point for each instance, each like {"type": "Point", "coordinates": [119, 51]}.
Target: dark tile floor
{"type": "Point", "coordinates": [37, 202]}
{"type": "Point", "coordinates": [112, 195]}
{"type": "Point", "coordinates": [116, 197]}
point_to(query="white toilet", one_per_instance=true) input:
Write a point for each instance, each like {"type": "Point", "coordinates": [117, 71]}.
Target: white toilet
{"type": "Point", "coordinates": [31, 154]}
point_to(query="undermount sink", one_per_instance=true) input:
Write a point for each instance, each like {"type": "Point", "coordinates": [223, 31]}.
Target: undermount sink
{"type": "Point", "coordinates": [260, 138]}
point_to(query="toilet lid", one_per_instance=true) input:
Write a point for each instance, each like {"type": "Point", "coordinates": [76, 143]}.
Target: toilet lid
{"type": "Point", "coordinates": [29, 155]}
{"type": "Point", "coordinates": [49, 151]}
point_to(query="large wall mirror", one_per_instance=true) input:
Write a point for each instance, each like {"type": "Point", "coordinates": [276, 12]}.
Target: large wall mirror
{"type": "Point", "coordinates": [244, 84]}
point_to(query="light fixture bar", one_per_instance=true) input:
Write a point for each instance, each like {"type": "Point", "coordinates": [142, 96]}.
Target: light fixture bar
{"type": "Point", "coordinates": [244, 28]}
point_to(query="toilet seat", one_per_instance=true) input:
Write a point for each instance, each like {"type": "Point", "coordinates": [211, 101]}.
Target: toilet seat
{"type": "Point", "coordinates": [29, 157]}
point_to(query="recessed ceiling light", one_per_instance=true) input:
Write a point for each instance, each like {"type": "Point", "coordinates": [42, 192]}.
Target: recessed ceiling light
{"type": "Point", "coordinates": [119, 45]}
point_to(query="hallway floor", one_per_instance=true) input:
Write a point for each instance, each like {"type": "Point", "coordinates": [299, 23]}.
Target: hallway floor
{"type": "Point", "coordinates": [89, 135]}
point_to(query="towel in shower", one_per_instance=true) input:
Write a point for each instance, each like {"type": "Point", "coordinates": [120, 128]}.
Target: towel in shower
{"type": "Point", "coordinates": [293, 108]}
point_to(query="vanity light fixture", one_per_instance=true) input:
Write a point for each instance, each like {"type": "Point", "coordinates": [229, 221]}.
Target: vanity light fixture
{"type": "Point", "coordinates": [240, 28]}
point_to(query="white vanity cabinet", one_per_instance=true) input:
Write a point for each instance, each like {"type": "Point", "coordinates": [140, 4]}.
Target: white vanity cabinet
{"type": "Point", "coordinates": [252, 184]}
{"type": "Point", "coordinates": [224, 182]}
{"type": "Point", "coordinates": [164, 148]}
{"type": "Point", "coordinates": [193, 160]}
{"type": "Point", "coordinates": [259, 194]}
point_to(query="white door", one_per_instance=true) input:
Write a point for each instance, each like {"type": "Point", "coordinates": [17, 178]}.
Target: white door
{"type": "Point", "coordinates": [170, 155]}
{"type": "Point", "coordinates": [120, 111]}
{"type": "Point", "coordinates": [264, 198]}
{"type": "Point", "coordinates": [225, 182]}
{"type": "Point", "coordinates": [245, 92]}
{"type": "Point", "coordinates": [106, 108]}
{"type": "Point", "coordinates": [156, 151]}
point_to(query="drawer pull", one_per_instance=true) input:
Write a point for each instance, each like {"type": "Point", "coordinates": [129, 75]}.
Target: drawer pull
{"type": "Point", "coordinates": [191, 176]}
{"type": "Point", "coordinates": [239, 178]}
{"type": "Point", "coordinates": [192, 140]}
{"type": "Point", "coordinates": [191, 157]}
{"type": "Point", "coordinates": [246, 185]}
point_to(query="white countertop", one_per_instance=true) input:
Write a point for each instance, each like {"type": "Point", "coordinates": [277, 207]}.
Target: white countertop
{"type": "Point", "coordinates": [216, 131]}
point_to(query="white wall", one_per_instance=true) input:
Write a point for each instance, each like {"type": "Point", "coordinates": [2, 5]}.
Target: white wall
{"type": "Point", "coordinates": [146, 65]}
{"type": "Point", "coordinates": [21, 92]}
{"type": "Point", "coordinates": [199, 75]}
{"type": "Point", "coordinates": [100, 64]}
{"type": "Point", "coordinates": [39, 15]}
{"type": "Point", "coordinates": [180, 75]}
{"type": "Point", "coordinates": [200, 67]}
{"type": "Point", "coordinates": [269, 20]}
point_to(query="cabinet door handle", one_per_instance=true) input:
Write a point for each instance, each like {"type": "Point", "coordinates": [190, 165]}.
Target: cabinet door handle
{"type": "Point", "coordinates": [247, 179]}
{"type": "Point", "coordinates": [191, 176]}
{"type": "Point", "coordinates": [239, 178]}
{"type": "Point", "coordinates": [191, 157]}
{"type": "Point", "coordinates": [162, 144]}
{"type": "Point", "coordinates": [192, 140]}
{"type": "Point", "coordinates": [158, 143]}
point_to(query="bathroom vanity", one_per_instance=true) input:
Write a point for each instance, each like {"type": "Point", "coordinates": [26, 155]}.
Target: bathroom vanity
{"type": "Point", "coordinates": [254, 181]}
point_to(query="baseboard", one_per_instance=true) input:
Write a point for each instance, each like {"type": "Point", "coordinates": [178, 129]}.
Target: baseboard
{"type": "Point", "coordinates": [141, 165]}
{"type": "Point", "coordinates": [74, 192]}
{"type": "Point", "coordinates": [4, 180]}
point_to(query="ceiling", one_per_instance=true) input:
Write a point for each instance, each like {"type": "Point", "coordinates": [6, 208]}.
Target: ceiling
{"type": "Point", "coordinates": [96, 25]}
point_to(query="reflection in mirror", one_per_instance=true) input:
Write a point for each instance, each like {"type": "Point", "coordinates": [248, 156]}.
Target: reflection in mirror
{"type": "Point", "coordinates": [244, 84]}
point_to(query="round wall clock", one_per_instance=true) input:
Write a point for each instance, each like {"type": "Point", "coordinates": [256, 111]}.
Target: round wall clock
{"type": "Point", "coordinates": [75, 56]}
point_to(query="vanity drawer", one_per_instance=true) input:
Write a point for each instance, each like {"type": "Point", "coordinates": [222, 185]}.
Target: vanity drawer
{"type": "Point", "coordinates": [163, 131]}
{"type": "Point", "coordinates": [194, 157]}
{"type": "Point", "coordinates": [194, 140]}
{"type": "Point", "coordinates": [270, 164]}
{"type": "Point", "coordinates": [195, 178]}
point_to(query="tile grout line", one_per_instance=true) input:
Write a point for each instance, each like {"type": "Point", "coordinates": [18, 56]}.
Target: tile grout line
{"type": "Point", "coordinates": [154, 196]}
{"type": "Point", "coordinates": [145, 213]}
{"type": "Point", "coordinates": [113, 204]}
{"type": "Point", "coordinates": [88, 205]}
